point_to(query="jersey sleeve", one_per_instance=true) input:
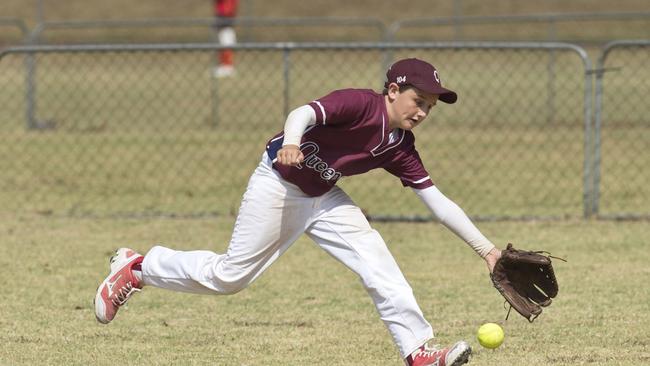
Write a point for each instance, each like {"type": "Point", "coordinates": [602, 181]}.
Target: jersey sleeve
{"type": "Point", "coordinates": [340, 107]}
{"type": "Point", "coordinates": [407, 166]}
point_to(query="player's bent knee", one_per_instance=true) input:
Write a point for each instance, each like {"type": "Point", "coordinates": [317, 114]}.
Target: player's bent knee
{"type": "Point", "coordinates": [232, 281]}
{"type": "Point", "coordinates": [230, 291]}
{"type": "Point", "coordinates": [226, 285]}
{"type": "Point", "coordinates": [227, 278]}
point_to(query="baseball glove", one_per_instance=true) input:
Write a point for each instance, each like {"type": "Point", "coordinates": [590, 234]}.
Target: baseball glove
{"type": "Point", "coordinates": [526, 280]}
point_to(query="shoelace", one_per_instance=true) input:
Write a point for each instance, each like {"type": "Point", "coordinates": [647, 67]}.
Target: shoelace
{"type": "Point", "coordinates": [428, 350]}
{"type": "Point", "coordinates": [124, 293]}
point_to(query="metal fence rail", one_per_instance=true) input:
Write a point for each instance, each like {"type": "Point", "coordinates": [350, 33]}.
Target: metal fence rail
{"type": "Point", "coordinates": [147, 130]}
{"type": "Point", "coordinates": [622, 131]}
{"type": "Point", "coordinates": [201, 29]}
{"type": "Point", "coordinates": [539, 27]}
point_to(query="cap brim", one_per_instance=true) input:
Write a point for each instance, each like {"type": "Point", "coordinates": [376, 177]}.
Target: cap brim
{"type": "Point", "coordinates": [448, 97]}
{"type": "Point", "coordinates": [445, 95]}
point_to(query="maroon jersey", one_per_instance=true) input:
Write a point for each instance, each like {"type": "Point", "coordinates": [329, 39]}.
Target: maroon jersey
{"type": "Point", "coordinates": [351, 136]}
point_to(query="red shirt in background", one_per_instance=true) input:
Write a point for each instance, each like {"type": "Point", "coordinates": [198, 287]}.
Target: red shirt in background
{"type": "Point", "coordinates": [225, 8]}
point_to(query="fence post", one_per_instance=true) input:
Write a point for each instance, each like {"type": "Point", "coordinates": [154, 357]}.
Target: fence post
{"type": "Point", "coordinates": [286, 65]}
{"type": "Point", "coordinates": [30, 65]}
{"type": "Point", "coordinates": [552, 36]}
{"type": "Point", "coordinates": [30, 88]}
{"type": "Point", "coordinates": [214, 94]}
{"type": "Point", "coordinates": [588, 153]}
{"type": "Point", "coordinates": [597, 118]}
{"type": "Point", "coordinates": [458, 24]}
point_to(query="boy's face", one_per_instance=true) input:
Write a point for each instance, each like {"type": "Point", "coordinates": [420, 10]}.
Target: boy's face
{"type": "Point", "coordinates": [408, 108]}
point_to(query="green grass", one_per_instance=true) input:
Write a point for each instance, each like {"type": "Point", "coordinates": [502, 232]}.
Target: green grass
{"type": "Point", "coordinates": [308, 308]}
{"type": "Point", "coordinates": [136, 133]}
{"type": "Point", "coordinates": [153, 133]}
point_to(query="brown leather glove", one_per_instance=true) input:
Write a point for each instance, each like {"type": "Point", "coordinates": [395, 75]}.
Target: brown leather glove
{"type": "Point", "coordinates": [526, 280]}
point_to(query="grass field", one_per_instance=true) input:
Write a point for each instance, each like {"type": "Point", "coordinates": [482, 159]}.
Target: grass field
{"type": "Point", "coordinates": [308, 309]}
{"type": "Point", "coordinates": [151, 133]}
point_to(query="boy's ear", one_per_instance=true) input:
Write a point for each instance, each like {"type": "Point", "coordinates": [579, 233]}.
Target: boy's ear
{"type": "Point", "coordinates": [392, 89]}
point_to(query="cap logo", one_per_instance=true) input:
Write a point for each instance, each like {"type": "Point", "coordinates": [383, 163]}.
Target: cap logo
{"type": "Point", "coordinates": [435, 75]}
{"type": "Point", "coordinates": [401, 79]}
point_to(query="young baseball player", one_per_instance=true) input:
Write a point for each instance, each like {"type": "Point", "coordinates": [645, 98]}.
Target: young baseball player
{"type": "Point", "coordinates": [293, 191]}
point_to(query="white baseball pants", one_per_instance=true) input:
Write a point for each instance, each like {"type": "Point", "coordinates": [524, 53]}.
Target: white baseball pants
{"type": "Point", "coordinates": [273, 214]}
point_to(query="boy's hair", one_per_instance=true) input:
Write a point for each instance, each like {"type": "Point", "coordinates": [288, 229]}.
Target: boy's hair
{"type": "Point", "coordinates": [402, 88]}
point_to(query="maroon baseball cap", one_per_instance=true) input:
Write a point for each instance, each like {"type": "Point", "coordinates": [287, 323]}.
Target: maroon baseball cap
{"type": "Point", "coordinates": [420, 74]}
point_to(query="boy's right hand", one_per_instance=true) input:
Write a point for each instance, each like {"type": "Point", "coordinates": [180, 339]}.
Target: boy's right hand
{"type": "Point", "coordinates": [290, 155]}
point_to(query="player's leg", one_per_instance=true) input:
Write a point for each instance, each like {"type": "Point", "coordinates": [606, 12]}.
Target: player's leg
{"type": "Point", "coordinates": [343, 231]}
{"type": "Point", "coordinates": [271, 217]}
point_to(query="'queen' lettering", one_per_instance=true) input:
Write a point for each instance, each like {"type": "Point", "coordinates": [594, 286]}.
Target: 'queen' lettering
{"type": "Point", "coordinates": [312, 161]}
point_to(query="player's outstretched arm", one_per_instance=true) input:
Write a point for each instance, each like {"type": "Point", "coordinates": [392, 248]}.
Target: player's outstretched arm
{"type": "Point", "coordinates": [454, 218]}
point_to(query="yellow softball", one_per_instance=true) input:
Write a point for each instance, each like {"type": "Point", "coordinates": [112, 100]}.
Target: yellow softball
{"type": "Point", "coordinates": [490, 335]}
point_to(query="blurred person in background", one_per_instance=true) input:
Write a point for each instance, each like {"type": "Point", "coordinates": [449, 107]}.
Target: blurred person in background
{"type": "Point", "coordinates": [225, 12]}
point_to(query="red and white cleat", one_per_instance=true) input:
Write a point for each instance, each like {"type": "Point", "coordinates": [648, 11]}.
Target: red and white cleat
{"type": "Point", "coordinates": [456, 355]}
{"type": "Point", "coordinates": [120, 284]}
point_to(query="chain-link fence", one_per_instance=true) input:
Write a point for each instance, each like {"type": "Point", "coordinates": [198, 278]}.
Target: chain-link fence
{"type": "Point", "coordinates": [622, 142]}
{"type": "Point", "coordinates": [148, 130]}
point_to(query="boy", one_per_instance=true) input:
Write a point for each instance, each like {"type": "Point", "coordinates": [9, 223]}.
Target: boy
{"type": "Point", "coordinates": [293, 191]}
